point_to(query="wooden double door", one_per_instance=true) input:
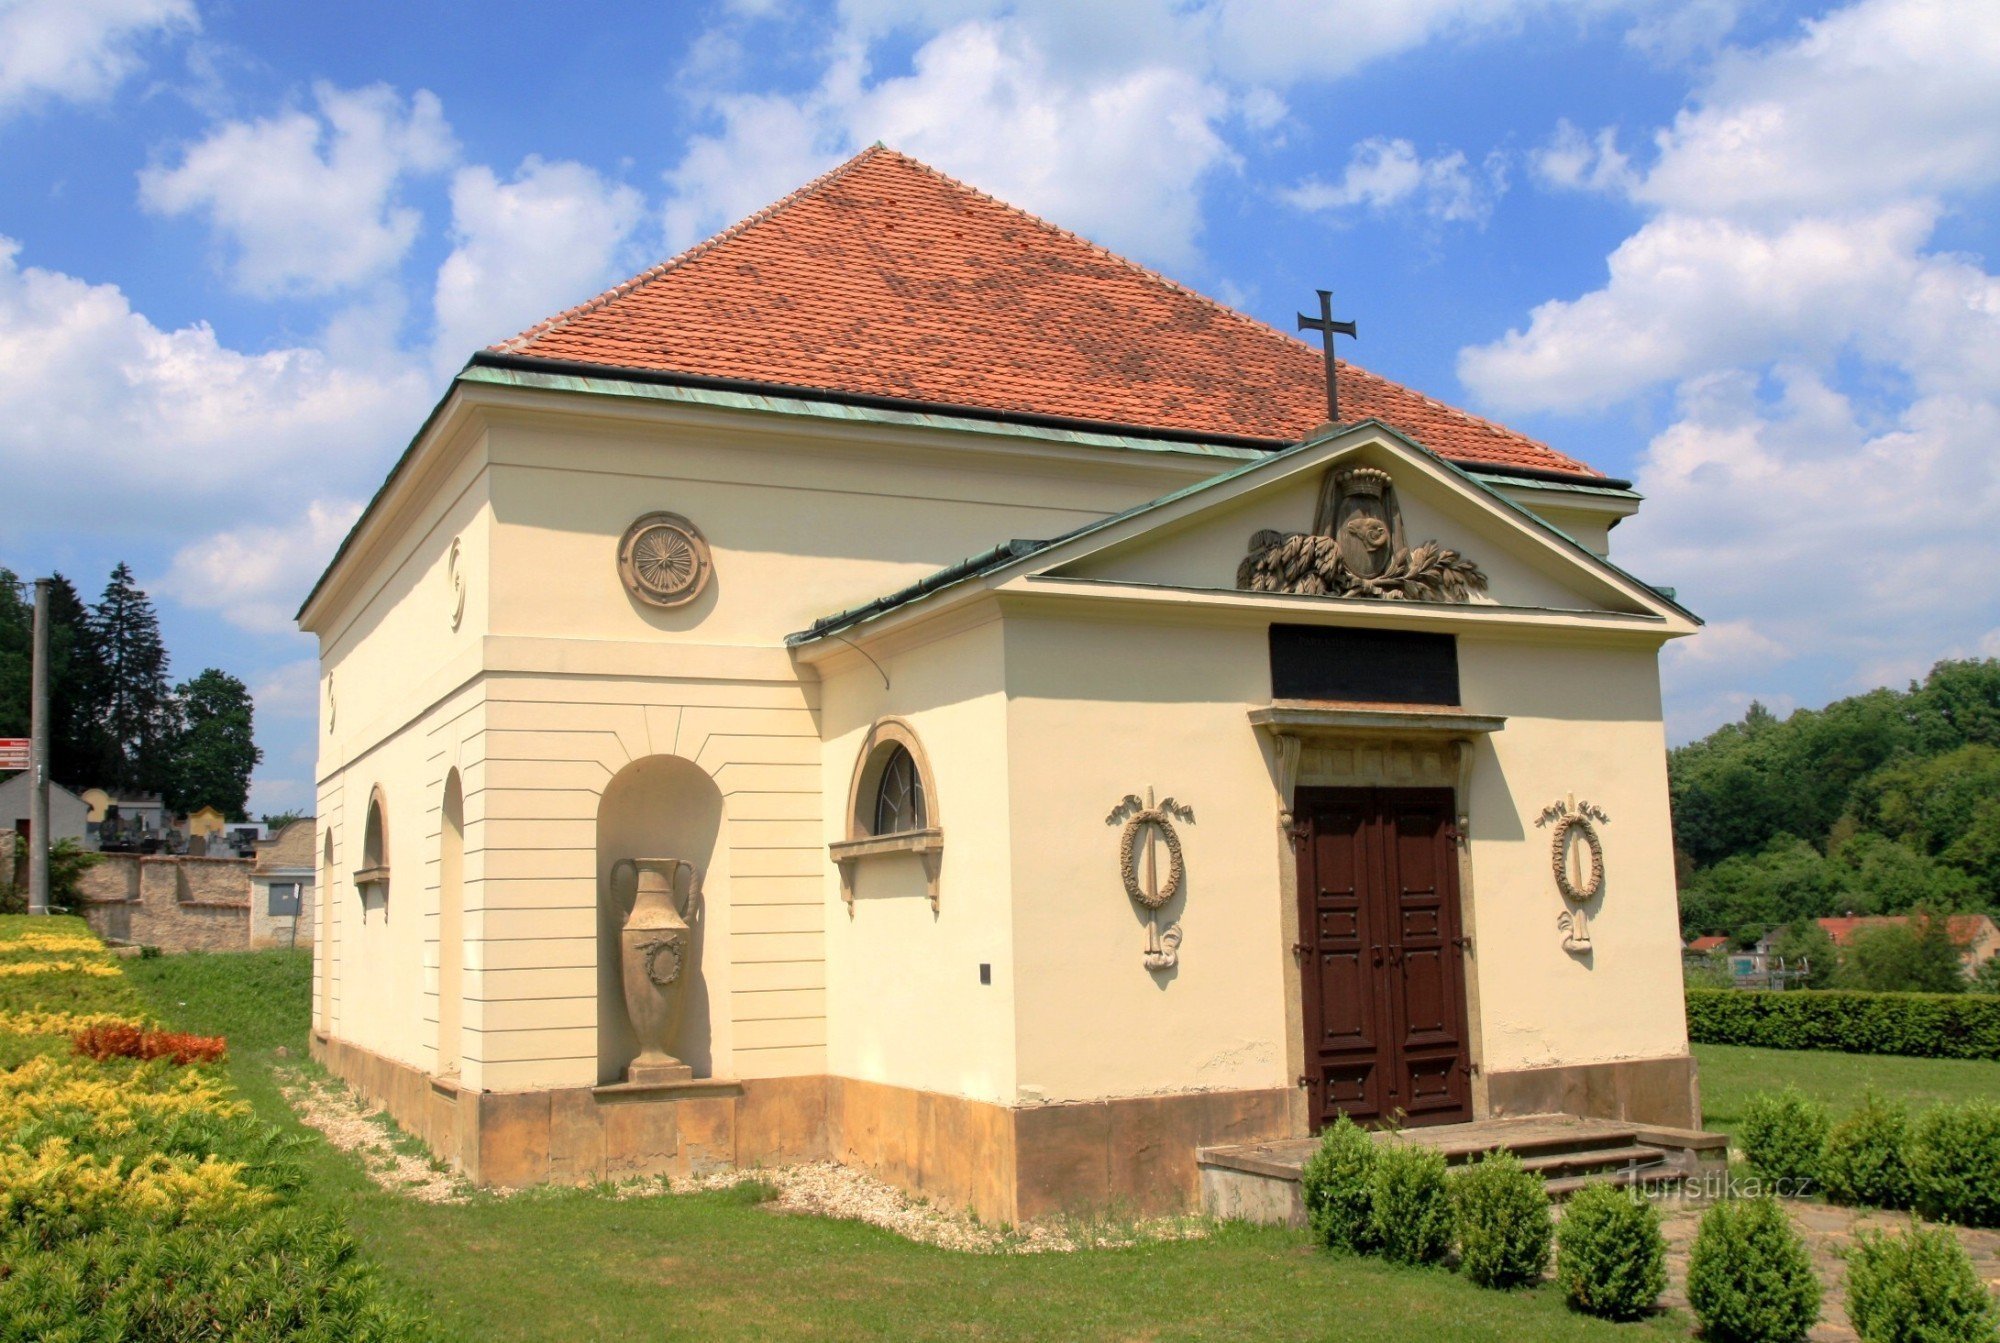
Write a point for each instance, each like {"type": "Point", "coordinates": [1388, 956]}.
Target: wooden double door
{"type": "Point", "coordinates": [1382, 955]}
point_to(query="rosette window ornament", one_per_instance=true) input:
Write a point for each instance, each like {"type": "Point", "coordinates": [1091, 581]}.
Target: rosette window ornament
{"type": "Point", "coordinates": [663, 560]}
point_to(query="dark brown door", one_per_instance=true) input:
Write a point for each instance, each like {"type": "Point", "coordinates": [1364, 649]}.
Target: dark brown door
{"type": "Point", "coordinates": [1383, 968]}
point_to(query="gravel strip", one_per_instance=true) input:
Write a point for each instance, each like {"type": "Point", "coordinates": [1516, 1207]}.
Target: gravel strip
{"type": "Point", "coordinates": [813, 1189]}
{"type": "Point", "coordinates": [827, 1189]}
{"type": "Point", "coordinates": [335, 1111]}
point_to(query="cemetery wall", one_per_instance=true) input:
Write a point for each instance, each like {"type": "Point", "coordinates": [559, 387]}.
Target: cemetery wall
{"type": "Point", "coordinates": [170, 902]}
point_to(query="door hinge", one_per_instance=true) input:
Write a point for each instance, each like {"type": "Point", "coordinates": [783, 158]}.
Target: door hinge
{"type": "Point", "coordinates": [1304, 1081]}
{"type": "Point", "coordinates": [1300, 951]}
{"type": "Point", "coordinates": [1464, 944]}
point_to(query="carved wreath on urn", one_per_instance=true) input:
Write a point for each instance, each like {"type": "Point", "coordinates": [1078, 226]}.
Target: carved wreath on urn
{"type": "Point", "coordinates": [662, 960]}
{"type": "Point", "coordinates": [663, 560]}
{"type": "Point", "coordinates": [1356, 549]}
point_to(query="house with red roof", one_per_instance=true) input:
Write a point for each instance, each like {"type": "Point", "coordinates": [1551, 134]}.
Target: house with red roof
{"type": "Point", "coordinates": [900, 684]}
{"type": "Point", "coordinates": [1976, 936]}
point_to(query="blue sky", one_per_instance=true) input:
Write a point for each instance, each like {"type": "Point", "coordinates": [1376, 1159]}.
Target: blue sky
{"type": "Point", "coordinates": [1735, 250]}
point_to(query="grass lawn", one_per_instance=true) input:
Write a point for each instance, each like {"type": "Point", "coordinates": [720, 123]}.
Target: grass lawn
{"type": "Point", "coordinates": [1731, 1074]}
{"type": "Point", "coordinates": [579, 1265]}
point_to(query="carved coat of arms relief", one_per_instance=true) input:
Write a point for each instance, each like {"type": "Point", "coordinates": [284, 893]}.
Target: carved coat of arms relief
{"type": "Point", "coordinates": [1357, 549]}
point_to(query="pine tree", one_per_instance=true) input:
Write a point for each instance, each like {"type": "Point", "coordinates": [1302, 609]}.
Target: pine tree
{"type": "Point", "coordinates": [215, 750]}
{"type": "Point", "coordinates": [138, 706]}
{"type": "Point", "coordinates": [80, 751]}
{"type": "Point", "coordinates": [17, 633]}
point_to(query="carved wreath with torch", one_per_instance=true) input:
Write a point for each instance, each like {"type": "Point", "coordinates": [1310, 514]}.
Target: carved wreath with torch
{"type": "Point", "coordinates": [1145, 823]}
{"type": "Point", "coordinates": [1576, 856]}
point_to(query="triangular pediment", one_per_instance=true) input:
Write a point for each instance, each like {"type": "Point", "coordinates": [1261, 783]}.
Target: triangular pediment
{"type": "Point", "coordinates": [1359, 514]}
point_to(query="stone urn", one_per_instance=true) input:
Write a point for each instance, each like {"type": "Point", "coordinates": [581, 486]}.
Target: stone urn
{"type": "Point", "coordinates": [657, 945]}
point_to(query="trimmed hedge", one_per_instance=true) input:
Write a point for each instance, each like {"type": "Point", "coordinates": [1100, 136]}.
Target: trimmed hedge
{"type": "Point", "coordinates": [1920, 1025]}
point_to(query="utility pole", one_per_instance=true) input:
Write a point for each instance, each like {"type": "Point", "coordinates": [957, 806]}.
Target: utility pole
{"type": "Point", "coordinates": [38, 758]}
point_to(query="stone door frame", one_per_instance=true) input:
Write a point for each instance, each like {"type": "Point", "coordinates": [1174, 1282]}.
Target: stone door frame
{"type": "Point", "coordinates": [1323, 744]}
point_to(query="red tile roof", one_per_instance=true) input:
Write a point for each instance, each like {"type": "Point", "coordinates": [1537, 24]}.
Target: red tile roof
{"type": "Point", "coordinates": [885, 278]}
{"type": "Point", "coordinates": [1965, 929]}
{"type": "Point", "coordinates": [1706, 944]}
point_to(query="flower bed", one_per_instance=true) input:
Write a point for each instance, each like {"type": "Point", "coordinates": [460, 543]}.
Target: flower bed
{"type": "Point", "coordinates": [122, 1145]}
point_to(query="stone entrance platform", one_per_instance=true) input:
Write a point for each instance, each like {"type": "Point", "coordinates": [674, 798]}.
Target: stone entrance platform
{"type": "Point", "coordinates": [1259, 1182]}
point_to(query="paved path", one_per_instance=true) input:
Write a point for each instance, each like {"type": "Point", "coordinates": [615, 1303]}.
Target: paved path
{"type": "Point", "coordinates": [1828, 1230]}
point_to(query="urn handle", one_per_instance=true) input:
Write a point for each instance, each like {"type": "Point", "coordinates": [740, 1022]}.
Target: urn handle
{"type": "Point", "coordinates": [624, 892]}
{"type": "Point", "coordinates": [690, 903]}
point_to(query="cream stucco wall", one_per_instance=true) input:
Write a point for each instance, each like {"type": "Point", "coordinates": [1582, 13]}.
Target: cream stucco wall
{"type": "Point", "coordinates": [1097, 710]}
{"type": "Point", "coordinates": [1581, 721]}
{"type": "Point", "coordinates": [905, 1002]}
{"type": "Point", "coordinates": [555, 679]}
{"type": "Point", "coordinates": [479, 625]}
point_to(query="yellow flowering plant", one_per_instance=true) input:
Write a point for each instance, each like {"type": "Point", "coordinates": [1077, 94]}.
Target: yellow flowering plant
{"type": "Point", "coordinates": [97, 969]}
{"type": "Point", "coordinates": [62, 1190]}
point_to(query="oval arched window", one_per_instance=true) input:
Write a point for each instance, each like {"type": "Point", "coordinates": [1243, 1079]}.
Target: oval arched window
{"type": "Point", "coordinates": [899, 797]}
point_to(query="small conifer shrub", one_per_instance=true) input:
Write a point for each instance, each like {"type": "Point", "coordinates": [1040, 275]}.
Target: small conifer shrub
{"type": "Point", "coordinates": [1504, 1230]}
{"type": "Point", "coordinates": [1955, 1164]}
{"type": "Point", "coordinates": [1750, 1278]}
{"type": "Point", "coordinates": [1610, 1257]}
{"type": "Point", "coordinates": [1784, 1136]}
{"type": "Point", "coordinates": [1866, 1163]}
{"type": "Point", "coordinates": [1337, 1185]}
{"type": "Point", "coordinates": [1410, 1210]}
{"type": "Point", "coordinates": [1919, 1287]}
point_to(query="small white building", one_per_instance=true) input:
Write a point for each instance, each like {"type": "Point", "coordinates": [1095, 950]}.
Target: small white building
{"type": "Point", "coordinates": [68, 813]}
{"type": "Point", "coordinates": [1286, 769]}
{"type": "Point", "coordinates": [281, 888]}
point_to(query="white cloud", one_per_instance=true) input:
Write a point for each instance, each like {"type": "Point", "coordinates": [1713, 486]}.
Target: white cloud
{"type": "Point", "coordinates": [1384, 174]}
{"type": "Point", "coordinates": [1878, 101]}
{"type": "Point", "coordinates": [109, 424]}
{"type": "Point", "coordinates": [77, 49]}
{"type": "Point", "coordinates": [1685, 29]}
{"type": "Point", "coordinates": [525, 249]}
{"type": "Point", "coordinates": [1691, 293]}
{"type": "Point", "coordinates": [308, 203]}
{"type": "Point", "coordinates": [1825, 490]}
{"type": "Point", "coordinates": [1576, 162]}
{"type": "Point", "coordinates": [257, 575]}
{"type": "Point", "coordinates": [1044, 102]}
{"type": "Point", "coordinates": [1151, 130]}
{"type": "Point", "coordinates": [1818, 538]}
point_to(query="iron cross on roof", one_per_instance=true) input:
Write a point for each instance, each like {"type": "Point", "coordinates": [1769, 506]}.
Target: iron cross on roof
{"type": "Point", "coordinates": [1328, 329]}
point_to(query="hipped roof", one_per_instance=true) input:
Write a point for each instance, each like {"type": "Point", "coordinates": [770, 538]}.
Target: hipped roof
{"type": "Point", "coordinates": [884, 278]}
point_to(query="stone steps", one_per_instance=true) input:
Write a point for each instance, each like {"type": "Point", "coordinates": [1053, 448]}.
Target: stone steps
{"type": "Point", "coordinates": [1260, 1181]}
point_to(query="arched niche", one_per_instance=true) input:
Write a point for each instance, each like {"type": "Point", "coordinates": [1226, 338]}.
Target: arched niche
{"type": "Point", "coordinates": [451, 924]}
{"type": "Point", "coordinates": [662, 806]}
{"type": "Point", "coordinates": [371, 879]}
{"type": "Point", "coordinates": [891, 756]}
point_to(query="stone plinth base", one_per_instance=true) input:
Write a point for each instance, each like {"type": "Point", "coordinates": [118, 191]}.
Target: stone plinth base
{"type": "Point", "coordinates": [1135, 1156]}
{"type": "Point", "coordinates": [1662, 1091]}
{"type": "Point", "coordinates": [1132, 1157]}
{"type": "Point", "coordinates": [656, 1074]}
